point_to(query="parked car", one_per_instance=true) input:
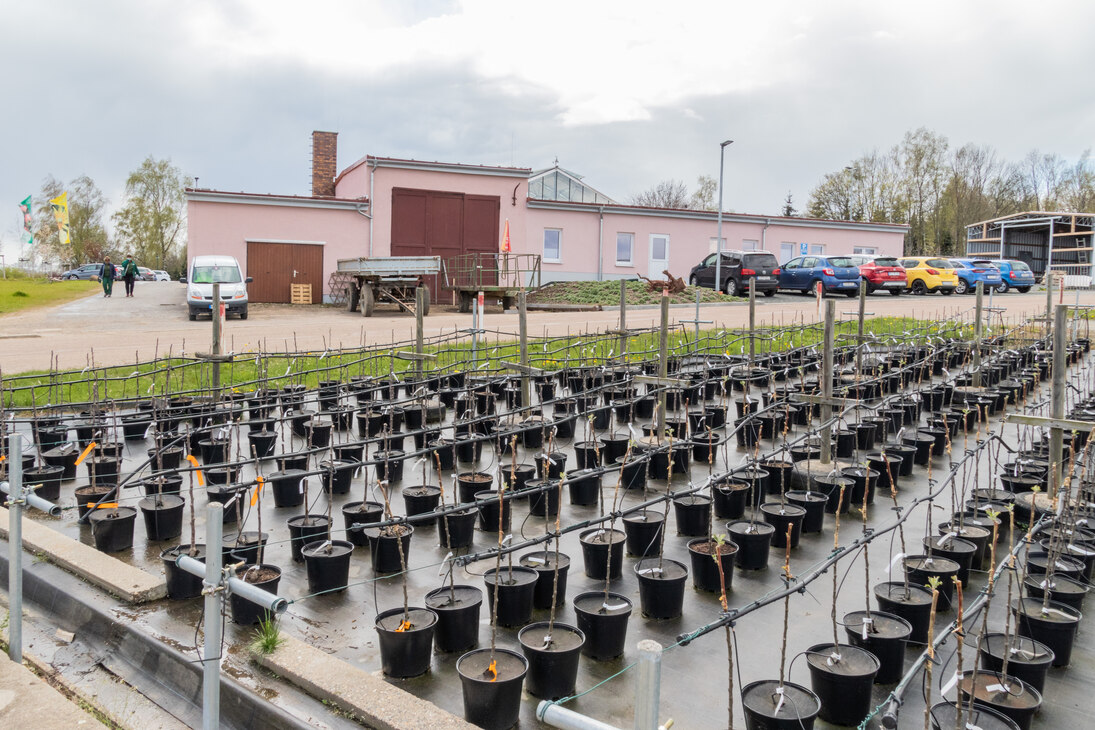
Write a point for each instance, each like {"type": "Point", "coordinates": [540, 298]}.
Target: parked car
{"type": "Point", "coordinates": [739, 270]}
{"type": "Point", "coordinates": [971, 271]}
{"type": "Point", "coordinates": [1016, 275]}
{"type": "Point", "coordinates": [837, 274]}
{"type": "Point", "coordinates": [160, 275]}
{"type": "Point", "coordinates": [87, 272]}
{"type": "Point", "coordinates": [146, 274]}
{"type": "Point", "coordinates": [207, 270]}
{"type": "Point", "coordinates": [881, 273]}
{"type": "Point", "coordinates": [928, 274]}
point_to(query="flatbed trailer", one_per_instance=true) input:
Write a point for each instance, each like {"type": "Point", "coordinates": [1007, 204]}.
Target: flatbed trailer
{"type": "Point", "coordinates": [499, 275]}
{"type": "Point", "coordinates": [393, 279]}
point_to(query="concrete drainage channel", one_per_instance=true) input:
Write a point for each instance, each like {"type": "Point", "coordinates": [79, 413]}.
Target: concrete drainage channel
{"type": "Point", "coordinates": [576, 415]}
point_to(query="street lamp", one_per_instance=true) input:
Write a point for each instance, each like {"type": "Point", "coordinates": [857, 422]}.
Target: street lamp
{"type": "Point", "coordinates": [718, 238]}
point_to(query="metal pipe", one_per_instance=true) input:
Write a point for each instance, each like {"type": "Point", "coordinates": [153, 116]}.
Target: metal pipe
{"type": "Point", "coordinates": [372, 178]}
{"type": "Point", "coordinates": [555, 715]}
{"type": "Point", "coordinates": [522, 323]}
{"type": "Point", "coordinates": [15, 549]}
{"type": "Point", "coordinates": [33, 500]}
{"type": "Point", "coordinates": [718, 235]}
{"type": "Point", "coordinates": [216, 337]}
{"type": "Point", "coordinates": [977, 327]}
{"type": "Point", "coordinates": [648, 685]}
{"type": "Point", "coordinates": [827, 382]}
{"type": "Point", "coordinates": [213, 590]}
{"type": "Point", "coordinates": [273, 603]}
{"type": "Point", "coordinates": [663, 361]}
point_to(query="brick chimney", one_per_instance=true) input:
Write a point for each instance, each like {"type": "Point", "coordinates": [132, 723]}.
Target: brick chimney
{"type": "Point", "coordinates": [324, 163]}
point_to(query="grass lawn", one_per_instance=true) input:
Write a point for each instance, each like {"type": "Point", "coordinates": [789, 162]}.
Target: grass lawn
{"type": "Point", "coordinates": [19, 294]}
{"type": "Point", "coordinates": [608, 293]}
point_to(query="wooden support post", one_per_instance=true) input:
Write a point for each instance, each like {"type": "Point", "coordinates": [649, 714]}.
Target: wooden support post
{"type": "Point", "coordinates": [827, 382]}
{"type": "Point", "coordinates": [522, 321]}
{"type": "Point", "coordinates": [752, 331]}
{"type": "Point", "coordinates": [859, 330]}
{"type": "Point", "coordinates": [978, 324]}
{"type": "Point", "coordinates": [216, 349]}
{"type": "Point", "coordinates": [663, 360]}
{"type": "Point", "coordinates": [420, 294]}
{"type": "Point", "coordinates": [623, 321]}
{"type": "Point", "coordinates": [1057, 402]}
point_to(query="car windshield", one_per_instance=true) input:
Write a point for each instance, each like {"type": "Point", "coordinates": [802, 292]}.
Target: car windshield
{"type": "Point", "coordinates": [841, 261]}
{"type": "Point", "coordinates": [215, 274]}
{"type": "Point", "coordinates": [755, 260]}
{"type": "Point", "coordinates": [886, 261]}
{"type": "Point", "coordinates": [939, 263]}
{"type": "Point", "coordinates": [1020, 266]}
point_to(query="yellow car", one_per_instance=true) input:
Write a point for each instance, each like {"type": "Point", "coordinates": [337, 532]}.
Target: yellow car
{"type": "Point", "coordinates": [926, 274]}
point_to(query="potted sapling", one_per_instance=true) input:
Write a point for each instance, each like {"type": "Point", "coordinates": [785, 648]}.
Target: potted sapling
{"type": "Point", "coordinates": [253, 569]}
{"type": "Point", "coordinates": [180, 584]}
{"type": "Point", "coordinates": [661, 580]}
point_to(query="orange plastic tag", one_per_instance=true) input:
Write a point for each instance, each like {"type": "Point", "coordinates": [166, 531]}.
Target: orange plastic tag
{"type": "Point", "coordinates": [104, 505]}
{"type": "Point", "coordinates": [493, 669]}
{"type": "Point", "coordinates": [3, 458]}
{"type": "Point", "coordinates": [255, 494]}
{"type": "Point", "coordinates": [87, 451]}
{"type": "Point", "coordinates": [194, 462]}
{"type": "Point", "coordinates": [403, 626]}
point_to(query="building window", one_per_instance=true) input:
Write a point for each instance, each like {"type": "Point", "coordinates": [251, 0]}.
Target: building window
{"type": "Point", "coordinates": [625, 242]}
{"type": "Point", "coordinates": [553, 245]}
{"type": "Point", "coordinates": [713, 245]}
{"type": "Point", "coordinates": [659, 247]}
{"type": "Point", "coordinates": [748, 244]}
{"type": "Point", "coordinates": [817, 249]}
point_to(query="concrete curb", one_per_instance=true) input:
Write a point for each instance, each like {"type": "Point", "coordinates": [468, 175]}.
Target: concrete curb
{"type": "Point", "coordinates": [375, 702]}
{"type": "Point", "coordinates": [30, 701]}
{"type": "Point", "coordinates": [132, 585]}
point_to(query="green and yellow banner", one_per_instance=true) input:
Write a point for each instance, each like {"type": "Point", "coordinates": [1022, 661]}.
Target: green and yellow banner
{"type": "Point", "coordinates": [60, 212]}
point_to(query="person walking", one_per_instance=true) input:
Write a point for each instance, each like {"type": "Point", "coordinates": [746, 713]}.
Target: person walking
{"type": "Point", "coordinates": [129, 274]}
{"type": "Point", "coordinates": [106, 276]}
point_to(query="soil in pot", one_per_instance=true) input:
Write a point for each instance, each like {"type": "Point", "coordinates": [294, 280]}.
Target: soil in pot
{"type": "Point", "coordinates": [705, 572]}
{"type": "Point", "coordinates": [914, 606]}
{"type": "Point", "coordinates": [944, 715]}
{"type": "Point", "coordinates": [842, 677]}
{"type": "Point", "coordinates": [87, 497]}
{"type": "Point", "coordinates": [180, 584]}
{"type": "Point", "coordinates": [661, 587]}
{"type": "Point", "coordinates": [262, 576]}
{"type": "Point", "coordinates": [552, 658]}
{"type": "Point", "coordinates": [884, 635]}
{"type": "Point", "coordinates": [469, 484]}
{"type": "Point", "coordinates": [492, 698]}
{"type": "Point", "coordinates": [782, 517]}
{"type": "Point", "coordinates": [112, 528]}
{"type": "Point", "coordinates": [543, 562]}
{"type": "Point", "coordinates": [1062, 589]}
{"type": "Point", "coordinates": [754, 540]}
{"type": "Point", "coordinates": [384, 548]}
{"type": "Point", "coordinates": [644, 531]}
{"type": "Point", "coordinates": [304, 529]}
{"type": "Point", "coordinates": [602, 553]}
{"type": "Point", "coordinates": [163, 516]}
{"type": "Point", "coordinates": [328, 565]}
{"type": "Point", "coordinates": [956, 549]}
{"type": "Point", "coordinates": [765, 708]}
{"type": "Point", "coordinates": [457, 610]}
{"type": "Point", "coordinates": [603, 618]}
{"type": "Point", "coordinates": [360, 513]}
{"type": "Point", "coordinates": [1005, 694]}
{"type": "Point", "coordinates": [920, 568]}
{"type": "Point", "coordinates": [406, 641]}
{"type": "Point", "coordinates": [1055, 627]}
{"type": "Point", "coordinates": [1029, 660]}
{"type": "Point", "coordinates": [516, 587]}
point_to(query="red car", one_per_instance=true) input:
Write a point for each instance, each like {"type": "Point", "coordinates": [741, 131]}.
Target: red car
{"type": "Point", "coordinates": [881, 273]}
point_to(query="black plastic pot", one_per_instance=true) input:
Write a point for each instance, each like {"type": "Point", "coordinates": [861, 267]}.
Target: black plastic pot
{"type": "Point", "coordinates": [956, 549]}
{"type": "Point", "coordinates": [328, 565]}
{"type": "Point", "coordinates": [1029, 660]}
{"type": "Point", "coordinates": [813, 504]}
{"type": "Point", "coordinates": [830, 486]}
{"type": "Point", "coordinates": [730, 499]}
{"type": "Point", "coordinates": [457, 612]}
{"type": "Point", "coordinates": [634, 472]}
{"type": "Point", "coordinates": [49, 477]}
{"type": "Point", "coordinates": [602, 553]}
{"type": "Point", "coordinates": [419, 500]}
{"type": "Point", "coordinates": [1056, 629]}
{"type": "Point", "coordinates": [844, 685]}
{"type": "Point", "coordinates": [494, 513]}
{"type": "Point", "coordinates": [914, 606]}
{"type": "Point", "coordinates": [661, 587]}
{"type": "Point", "coordinates": [456, 529]}
{"type": "Point", "coordinates": [162, 484]}
{"type": "Point", "coordinates": [102, 469]}
{"type": "Point", "coordinates": [287, 487]}
{"type": "Point", "coordinates": [544, 499]}
{"type": "Point", "coordinates": [262, 576]}
{"type": "Point", "coordinates": [263, 443]}
{"type": "Point", "coordinates": [468, 484]}
{"type": "Point", "coordinates": [516, 587]}
{"type": "Point", "coordinates": [644, 532]}
{"type": "Point", "coordinates": [705, 571]}
{"type": "Point", "coordinates": [543, 562]}
{"type": "Point", "coordinates": [180, 584]}
{"type": "Point", "coordinates": [1062, 589]}
{"type": "Point", "coordinates": [603, 619]}
{"type": "Point", "coordinates": [795, 708]}
{"type": "Point", "coordinates": [921, 568]}
{"type": "Point", "coordinates": [112, 528]}
{"type": "Point", "coordinates": [584, 487]}
{"type": "Point", "coordinates": [552, 658]}
{"type": "Point", "coordinates": [163, 516]}
{"type": "Point", "coordinates": [304, 529]}
{"type": "Point", "coordinates": [864, 481]}
{"type": "Point", "coordinates": [1014, 699]}
{"type": "Point", "coordinates": [693, 515]}
{"type": "Point", "coordinates": [65, 457]}
{"type": "Point", "coordinates": [352, 514]}
{"type": "Point", "coordinates": [781, 518]}
{"type": "Point", "coordinates": [884, 635]}
{"type": "Point", "coordinates": [405, 641]}
{"type": "Point", "coordinates": [492, 700]}
{"type": "Point", "coordinates": [754, 540]}
{"type": "Point", "coordinates": [385, 544]}
{"type": "Point", "coordinates": [91, 495]}
{"type": "Point", "coordinates": [944, 715]}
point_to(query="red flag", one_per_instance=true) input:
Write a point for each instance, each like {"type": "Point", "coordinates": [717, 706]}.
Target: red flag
{"type": "Point", "coordinates": [505, 238]}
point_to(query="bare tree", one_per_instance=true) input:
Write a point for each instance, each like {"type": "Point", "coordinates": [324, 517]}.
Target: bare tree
{"type": "Point", "coordinates": [666, 194]}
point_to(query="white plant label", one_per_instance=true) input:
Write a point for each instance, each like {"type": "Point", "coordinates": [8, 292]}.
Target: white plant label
{"type": "Point", "coordinates": [950, 683]}
{"type": "Point", "coordinates": [894, 562]}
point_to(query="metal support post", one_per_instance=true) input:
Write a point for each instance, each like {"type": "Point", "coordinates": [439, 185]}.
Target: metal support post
{"type": "Point", "coordinates": [1057, 403]}
{"type": "Point", "coordinates": [859, 330]}
{"type": "Point", "coordinates": [978, 324]}
{"type": "Point", "coordinates": [216, 349]}
{"type": "Point", "coordinates": [522, 323]}
{"type": "Point", "coordinates": [827, 382]}
{"type": "Point", "coordinates": [648, 685]}
{"type": "Point", "coordinates": [623, 321]}
{"type": "Point", "coordinates": [696, 344]}
{"type": "Point", "coordinates": [663, 360]}
{"type": "Point", "coordinates": [419, 328]}
{"type": "Point", "coordinates": [1049, 302]}
{"type": "Point", "coordinates": [474, 334]}
{"type": "Point", "coordinates": [15, 548]}
{"type": "Point", "coordinates": [214, 596]}
{"type": "Point", "coordinates": [752, 331]}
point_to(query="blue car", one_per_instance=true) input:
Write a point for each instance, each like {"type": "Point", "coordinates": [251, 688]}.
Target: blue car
{"type": "Point", "coordinates": [837, 274]}
{"type": "Point", "coordinates": [1014, 275]}
{"type": "Point", "coordinates": [971, 271]}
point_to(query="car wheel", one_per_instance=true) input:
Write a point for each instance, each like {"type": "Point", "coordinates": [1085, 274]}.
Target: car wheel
{"type": "Point", "coordinates": [731, 287]}
{"type": "Point", "coordinates": [963, 287]}
{"type": "Point", "coordinates": [692, 280]}
{"type": "Point", "coordinates": [1003, 288]}
{"type": "Point", "coordinates": [895, 292]}
{"type": "Point", "coordinates": [770, 293]}
{"type": "Point", "coordinates": [1022, 289]}
{"type": "Point", "coordinates": [243, 315]}
{"type": "Point", "coordinates": [851, 294]}
{"type": "Point", "coordinates": [192, 317]}
{"type": "Point", "coordinates": [919, 288]}
{"type": "Point", "coordinates": [947, 292]}
{"type": "Point", "coordinates": [73, 277]}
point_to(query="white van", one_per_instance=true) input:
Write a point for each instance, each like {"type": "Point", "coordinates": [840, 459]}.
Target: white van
{"type": "Point", "coordinates": [204, 270]}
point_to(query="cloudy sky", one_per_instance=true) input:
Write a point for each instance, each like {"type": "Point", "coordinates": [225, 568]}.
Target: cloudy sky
{"type": "Point", "coordinates": [624, 93]}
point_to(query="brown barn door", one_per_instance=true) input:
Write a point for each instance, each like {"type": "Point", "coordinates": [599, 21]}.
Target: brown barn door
{"type": "Point", "coordinates": [275, 267]}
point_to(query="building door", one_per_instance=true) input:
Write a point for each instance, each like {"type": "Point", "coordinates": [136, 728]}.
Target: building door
{"type": "Point", "coordinates": [276, 266]}
{"type": "Point", "coordinates": [659, 255]}
{"type": "Point", "coordinates": [786, 252]}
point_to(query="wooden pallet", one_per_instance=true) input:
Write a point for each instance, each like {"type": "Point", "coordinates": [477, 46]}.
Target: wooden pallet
{"type": "Point", "coordinates": [301, 293]}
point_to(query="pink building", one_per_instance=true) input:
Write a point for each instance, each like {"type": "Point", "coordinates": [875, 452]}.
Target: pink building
{"type": "Point", "coordinates": [389, 207]}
